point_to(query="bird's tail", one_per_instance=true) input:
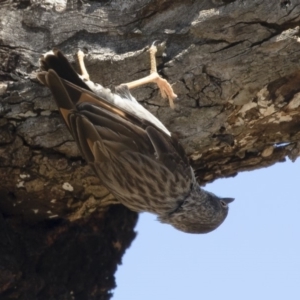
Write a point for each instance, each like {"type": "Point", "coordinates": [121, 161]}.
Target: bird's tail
{"type": "Point", "coordinates": [55, 60]}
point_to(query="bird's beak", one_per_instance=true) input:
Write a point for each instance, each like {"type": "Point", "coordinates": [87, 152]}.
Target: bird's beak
{"type": "Point", "coordinates": [227, 200]}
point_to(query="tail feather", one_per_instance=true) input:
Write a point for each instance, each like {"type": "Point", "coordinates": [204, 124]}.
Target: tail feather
{"type": "Point", "coordinates": [59, 63]}
{"type": "Point", "coordinates": [41, 76]}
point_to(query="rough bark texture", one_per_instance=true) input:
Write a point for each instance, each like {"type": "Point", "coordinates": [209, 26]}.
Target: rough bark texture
{"type": "Point", "coordinates": [235, 66]}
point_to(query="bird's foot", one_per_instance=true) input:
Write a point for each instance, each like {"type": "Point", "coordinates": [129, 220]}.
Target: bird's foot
{"type": "Point", "coordinates": [164, 86]}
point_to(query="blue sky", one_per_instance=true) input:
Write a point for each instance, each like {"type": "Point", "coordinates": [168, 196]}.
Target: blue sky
{"type": "Point", "coordinates": [254, 254]}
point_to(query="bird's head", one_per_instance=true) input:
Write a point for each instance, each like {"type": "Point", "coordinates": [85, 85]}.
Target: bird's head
{"type": "Point", "coordinates": [199, 212]}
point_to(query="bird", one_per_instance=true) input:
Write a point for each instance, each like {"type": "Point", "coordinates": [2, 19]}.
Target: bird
{"type": "Point", "coordinates": [134, 155]}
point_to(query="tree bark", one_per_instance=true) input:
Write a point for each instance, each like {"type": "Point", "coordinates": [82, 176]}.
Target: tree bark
{"type": "Point", "coordinates": [235, 67]}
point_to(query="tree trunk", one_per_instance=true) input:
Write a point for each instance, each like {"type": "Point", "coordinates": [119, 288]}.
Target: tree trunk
{"type": "Point", "coordinates": [235, 67]}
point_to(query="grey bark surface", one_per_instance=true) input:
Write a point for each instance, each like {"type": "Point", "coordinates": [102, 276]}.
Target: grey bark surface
{"type": "Point", "coordinates": [235, 66]}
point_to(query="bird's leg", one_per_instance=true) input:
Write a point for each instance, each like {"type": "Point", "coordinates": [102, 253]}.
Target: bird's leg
{"type": "Point", "coordinates": [85, 75]}
{"type": "Point", "coordinates": [164, 86]}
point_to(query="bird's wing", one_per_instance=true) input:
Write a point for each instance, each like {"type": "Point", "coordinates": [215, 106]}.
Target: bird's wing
{"type": "Point", "coordinates": [132, 157]}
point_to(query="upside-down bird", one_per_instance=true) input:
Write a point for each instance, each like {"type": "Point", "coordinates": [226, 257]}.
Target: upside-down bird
{"type": "Point", "coordinates": [131, 151]}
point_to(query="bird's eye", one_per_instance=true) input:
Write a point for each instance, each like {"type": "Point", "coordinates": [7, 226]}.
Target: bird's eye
{"type": "Point", "coordinates": [223, 203]}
